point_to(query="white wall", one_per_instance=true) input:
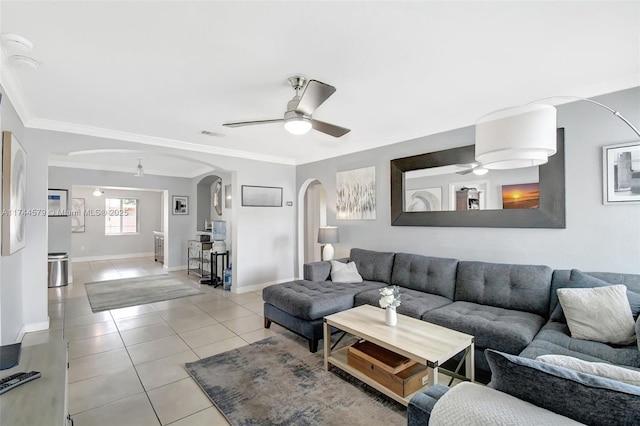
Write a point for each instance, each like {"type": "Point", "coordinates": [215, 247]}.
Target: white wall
{"type": "Point", "coordinates": [93, 243]}
{"type": "Point", "coordinates": [596, 238]}
{"type": "Point", "coordinates": [179, 227]}
{"type": "Point", "coordinates": [23, 275]}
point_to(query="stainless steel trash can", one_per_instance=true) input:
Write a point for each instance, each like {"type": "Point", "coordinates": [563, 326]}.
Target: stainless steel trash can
{"type": "Point", "coordinates": [58, 270]}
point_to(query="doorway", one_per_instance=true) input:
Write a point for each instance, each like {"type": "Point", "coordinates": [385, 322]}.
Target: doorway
{"type": "Point", "coordinates": [312, 214]}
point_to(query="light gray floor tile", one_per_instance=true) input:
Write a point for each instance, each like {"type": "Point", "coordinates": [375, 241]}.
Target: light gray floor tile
{"type": "Point", "coordinates": [146, 333]}
{"type": "Point", "coordinates": [94, 345]}
{"type": "Point", "coordinates": [97, 391]}
{"type": "Point", "coordinates": [245, 324]}
{"type": "Point", "coordinates": [255, 336]}
{"type": "Point", "coordinates": [231, 313]}
{"type": "Point", "coordinates": [180, 312]}
{"type": "Point", "coordinates": [87, 319]}
{"type": "Point", "coordinates": [210, 417]}
{"type": "Point", "coordinates": [97, 364]}
{"type": "Point", "coordinates": [165, 370]}
{"type": "Point", "coordinates": [139, 321]}
{"type": "Point", "coordinates": [220, 347]}
{"type": "Point", "coordinates": [177, 400]}
{"type": "Point", "coordinates": [133, 411]}
{"type": "Point", "coordinates": [131, 311]}
{"type": "Point", "coordinates": [156, 349]}
{"type": "Point", "coordinates": [90, 330]}
{"type": "Point", "coordinates": [206, 335]}
{"type": "Point", "coordinates": [194, 322]}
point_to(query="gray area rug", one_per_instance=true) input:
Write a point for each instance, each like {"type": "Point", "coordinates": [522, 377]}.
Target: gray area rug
{"type": "Point", "coordinates": [121, 293]}
{"type": "Point", "coordinates": [277, 381]}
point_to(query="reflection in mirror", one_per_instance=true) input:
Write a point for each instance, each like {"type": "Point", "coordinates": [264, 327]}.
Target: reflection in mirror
{"type": "Point", "coordinates": [456, 187]}
{"type": "Point", "coordinates": [441, 189]}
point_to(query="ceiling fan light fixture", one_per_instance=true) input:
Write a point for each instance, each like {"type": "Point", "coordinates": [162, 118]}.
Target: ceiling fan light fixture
{"type": "Point", "coordinates": [140, 171]}
{"type": "Point", "coordinates": [297, 125]}
{"type": "Point", "coordinates": [480, 171]}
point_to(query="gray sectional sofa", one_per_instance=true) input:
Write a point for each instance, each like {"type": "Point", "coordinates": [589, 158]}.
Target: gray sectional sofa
{"type": "Point", "coordinates": [507, 307]}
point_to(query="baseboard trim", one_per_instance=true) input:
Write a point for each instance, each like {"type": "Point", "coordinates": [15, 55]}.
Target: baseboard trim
{"type": "Point", "coordinates": [30, 328]}
{"type": "Point", "coordinates": [174, 268]}
{"type": "Point", "coordinates": [257, 287]}
{"type": "Point", "coordinates": [110, 257]}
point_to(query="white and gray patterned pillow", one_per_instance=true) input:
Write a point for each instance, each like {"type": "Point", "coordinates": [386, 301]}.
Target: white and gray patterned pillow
{"type": "Point", "coordinates": [600, 369]}
{"type": "Point", "coordinates": [601, 314]}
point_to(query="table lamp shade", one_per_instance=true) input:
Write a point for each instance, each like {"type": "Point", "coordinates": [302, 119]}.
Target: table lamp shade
{"type": "Point", "coordinates": [516, 137]}
{"type": "Point", "coordinates": [328, 235]}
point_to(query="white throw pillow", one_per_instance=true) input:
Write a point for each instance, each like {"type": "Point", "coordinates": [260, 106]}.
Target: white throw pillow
{"type": "Point", "coordinates": [601, 369]}
{"type": "Point", "coordinates": [601, 314]}
{"type": "Point", "coordinates": [344, 272]}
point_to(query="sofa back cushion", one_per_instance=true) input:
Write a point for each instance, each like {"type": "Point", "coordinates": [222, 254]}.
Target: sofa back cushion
{"type": "Point", "coordinates": [578, 396]}
{"type": "Point", "coordinates": [373, 265]}
{"type": "Point", "coordinates": [519, 287]}
{"type": "Point", "coordinates": [563, 279]}
{"type": "Point", "coordinates": [433, 275]}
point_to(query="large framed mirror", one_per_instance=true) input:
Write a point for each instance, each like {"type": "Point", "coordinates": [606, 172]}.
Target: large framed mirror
{"type": "Point", "coordinates": [440, 189]}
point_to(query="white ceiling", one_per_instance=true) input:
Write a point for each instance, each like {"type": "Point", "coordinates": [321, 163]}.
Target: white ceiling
{"type": "Point", "coordinates": [158, 72]}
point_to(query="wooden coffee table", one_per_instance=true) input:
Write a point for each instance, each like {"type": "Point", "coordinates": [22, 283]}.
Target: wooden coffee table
{"type": "Point", "coordinates": [429, 344]}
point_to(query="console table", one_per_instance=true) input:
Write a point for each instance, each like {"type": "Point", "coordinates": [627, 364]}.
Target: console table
{"type": "Point", "coordinates": [42, 401]}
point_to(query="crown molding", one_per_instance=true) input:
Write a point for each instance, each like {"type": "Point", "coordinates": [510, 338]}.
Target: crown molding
{"type": "Point", "coordinates": [14, 91]}
{"type": "Point", "coordinates": [61, 126]}
{"type": "Point", "coordinates": [73, 165]}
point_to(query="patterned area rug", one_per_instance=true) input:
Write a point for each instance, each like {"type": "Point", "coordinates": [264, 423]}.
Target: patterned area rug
{"type": "Point", "coordinates": [278, 381]}
{"type": "Point", "coordinates": [114, 294]}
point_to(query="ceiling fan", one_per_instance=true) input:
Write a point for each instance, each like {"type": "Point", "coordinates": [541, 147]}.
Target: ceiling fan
{"type": "Point", "coordinates": [297, 118]}
{"type": "Point", "coordinates": [475, 168]}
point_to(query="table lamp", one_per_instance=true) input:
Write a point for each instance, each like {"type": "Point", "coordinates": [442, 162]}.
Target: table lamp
{"type": "Point", "coordinates": [328, 235]}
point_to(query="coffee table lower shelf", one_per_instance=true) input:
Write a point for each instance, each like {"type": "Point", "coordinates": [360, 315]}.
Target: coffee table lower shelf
{"type": "Point", "coordinates": [338, 358]}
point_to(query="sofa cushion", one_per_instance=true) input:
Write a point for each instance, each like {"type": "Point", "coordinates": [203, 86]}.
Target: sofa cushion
{"type": "Point", "coordinates": [579, 279]}
{"type": "Point", "coordinates": [638, 332]}
{"type": "Point", "coordinates": [564, 391]}
{"type": "Point", "coordinates": [519, 287]}
{"type": "Point", "coordinates": [554, 338]}
{"type": "Point", "coordinates": [601, 314]}
{"type": "Point", "coordinates": [344, 272]}
{"type": "Point", "coordinates": [601, 369]}
{"type": "Point", "coordinates": [561, 279]}
{"type": "Point", "coordinates": [471, 404]}
{"type": "Point", "coordinates": [414, 303]}
{"type": "Point", "coordinates": [428, 274]}
{"type": "Point", "coordinates": [498, 328]}
{"type": "Point", "coordinates": [312, 300]}
{"type": "Point", "coordinates": [373, 265]}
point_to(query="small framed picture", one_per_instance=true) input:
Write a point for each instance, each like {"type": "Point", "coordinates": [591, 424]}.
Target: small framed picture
{"type": "Point", "coordinates": [57, 202]}
{"type": "Point", "coordinates": [261, 196]}
{"type": "Point", "coordinates": [180, 204]}
{"type": "Point", "coordinates": [621, 173]}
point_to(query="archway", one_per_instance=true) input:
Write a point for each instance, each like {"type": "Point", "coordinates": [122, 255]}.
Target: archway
{"type": "Point", "coordinates": [312, 214]}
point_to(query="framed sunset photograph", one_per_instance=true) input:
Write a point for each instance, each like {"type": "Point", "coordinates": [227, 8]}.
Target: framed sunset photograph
{"type": "Point", "coordinates": [521, 196]}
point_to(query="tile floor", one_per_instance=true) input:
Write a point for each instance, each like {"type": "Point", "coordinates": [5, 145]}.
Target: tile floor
{"type": "Point", "coordinates": [126, 366]}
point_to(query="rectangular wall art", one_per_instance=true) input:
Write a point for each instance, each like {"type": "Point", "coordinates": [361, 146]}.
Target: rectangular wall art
{"type": "Point", "coordinates": [180, 204]}
{"type": "Point", "coordinates": [14, 194]}
{"type": "Point", "coordinates": [57, 202]}
{"type": "Point", "coordinates": [261, 196]}
{"type": "Point", "coordinates": [621, 173]}
{"type": "Point", "coordinates": [521, 196]}
{"type": "Point", "coordinates": [77, 215]}
{"type": "Point", "coordinates": [356, 194]}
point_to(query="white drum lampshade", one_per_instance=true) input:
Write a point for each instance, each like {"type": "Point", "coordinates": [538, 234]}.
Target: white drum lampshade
{"type": "Point", "coordinates": [516, 137]}
{"type": "Point", "coordinates": [328, 235]}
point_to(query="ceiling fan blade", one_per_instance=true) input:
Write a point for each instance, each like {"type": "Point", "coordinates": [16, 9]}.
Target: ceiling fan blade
{"type": "Point", "coordinates": [315, 93]}
{"type": "Point", "coordinates": [330, 129]}
{"type": "Point", "coordinates": [251, 123]}
{"type": "Point", "coordinates": [465, 172]}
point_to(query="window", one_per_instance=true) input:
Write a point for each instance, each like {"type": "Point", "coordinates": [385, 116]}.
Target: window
{"type": "Point", "coordinates": [121, 216]}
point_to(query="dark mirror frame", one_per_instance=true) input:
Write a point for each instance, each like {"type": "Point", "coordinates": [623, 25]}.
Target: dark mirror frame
{"type": "Point", "coordinates": [551, 213]}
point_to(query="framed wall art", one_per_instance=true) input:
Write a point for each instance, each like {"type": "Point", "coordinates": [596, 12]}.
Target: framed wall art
{"type": "Point", "coordinates": [77, 215]}
{"type": "Point", "coordinates": [57, 203]}
{"type": "Point", "coordinates": [180, 204]}
{"type": "Point", "coordinates": [356, 194]}
{"type": "Point", "coordinates": [14, 194]}
{"type": "Point", "coordinates": [621, 173]}
{"type": "Point", "coordinates": [261, 196]}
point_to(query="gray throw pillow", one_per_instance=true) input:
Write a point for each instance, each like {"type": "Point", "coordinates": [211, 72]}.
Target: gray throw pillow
{"type": "Point", "coordinates": [579, 279]}
{"type": "Point", "coordinates": [600, 314]}
{"type": "Point", "coordinates": [582, 397]}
